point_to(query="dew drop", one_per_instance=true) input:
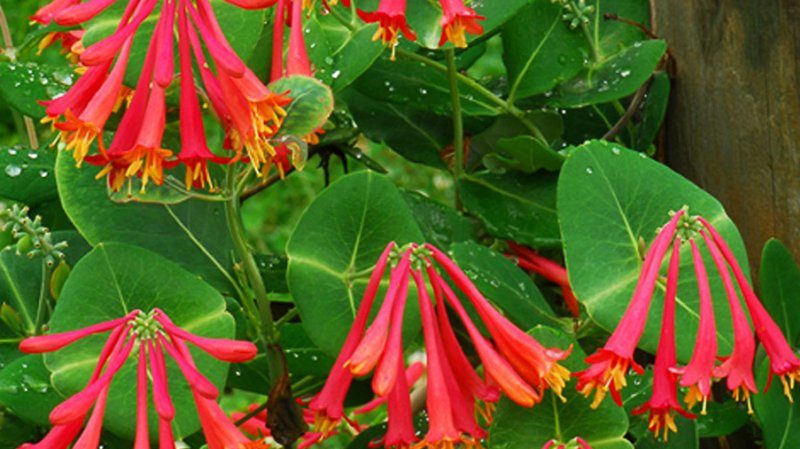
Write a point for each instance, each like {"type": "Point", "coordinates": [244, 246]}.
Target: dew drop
{"type": "Point", "coordinates": [336, 74]}
{"type": "Point", "coordinates": [589, 170]}
{"type": "Point", "coordinates": [13, 170]}
{"type": "Point", "coordinates": [43, 173]}
{"type": "Point", "coordinates": [33, 155]}
{"type": "Point", "coordinates": [616, 151]}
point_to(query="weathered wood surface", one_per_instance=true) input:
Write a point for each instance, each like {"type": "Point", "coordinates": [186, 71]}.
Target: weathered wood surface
{"type": "Point", "coordinates": [733, 125]}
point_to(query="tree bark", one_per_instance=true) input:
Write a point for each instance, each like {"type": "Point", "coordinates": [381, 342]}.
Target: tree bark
{"type": "Point", "coordinates": [733, 125]}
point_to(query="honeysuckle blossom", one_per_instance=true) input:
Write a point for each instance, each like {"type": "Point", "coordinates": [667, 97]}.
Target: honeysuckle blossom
{"type": "Point", "coordinates": [151, 335]}
{"type": "Point", "coordinates": [457, 20]}
{"type": "Point", "coordinates": [514, 362]}
{"type": "Point", "coordinates": [249, 112]}
{"type": "Point", "coordinates": [391, 18]}
{"type": "Point", "coordinates": [609, 365]}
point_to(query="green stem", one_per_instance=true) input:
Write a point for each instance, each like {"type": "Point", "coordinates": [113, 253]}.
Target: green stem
{"type": "Point", "coordinates": [458, 124]}
{"type": "Point", "coordinates": [477, 87]}
{"type": "Point", "coordinates": [44, 300]}
{"type": "Point", "coordinates": [259, 310]}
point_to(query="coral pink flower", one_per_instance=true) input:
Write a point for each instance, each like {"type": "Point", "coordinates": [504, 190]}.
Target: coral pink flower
{"type": "Point", "coordinates": [783, 360]}
{"type": "Point", "coordinates": [456, 394]}
{"type": "Point", "coordinates": [458, 19]}
{"type": "Point", "coordinates": [663, 403]}
{"type": "Point", "coordinates": [529, 260]}
{"type": "Point", "coordinates": [328, 404]}
{"type": "Point", "coordinates": [250, 113]}
{"type": "Point", "coordinates": [151, 334]}
{"type": "Point", "coordinates": [697, 375]}
{"type": "Point", "coordinates": [391, 16]}
{"type": "Point", "coordinates": [609, 365]}
{"type": "Point", "coordinates": [297, 62]}
{"type": "Point", "coordinates": [738, 367]}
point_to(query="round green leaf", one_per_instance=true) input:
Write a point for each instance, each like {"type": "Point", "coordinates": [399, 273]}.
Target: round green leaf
{"type": "Point", "coordinates": [193, 233]}
{"type": "Point", "coordinates": [608, 199]}
{"type": "Point", "coordinates": [780, 288]}
{"type": "Point", "coordinates": [24, 84]}
{"type": "Point", "coordinates": [539, 49]}
{"type": "Point", "coordinates": [441, 225]}
{"type": "Point", "coordinates": [312, 104]}
{"type": "Point", "coordinates": [343, 232]}
{"type": "Point", "coordinates": [27, 175]}
{"type": "Point", "coordinates": [514, 206]}
{"type": "Point", "coordinates": [611, 79]}
{"type": "Point", "coordinates": [26, 390]}
{"type": "Point", "coordinates": [111, 281]}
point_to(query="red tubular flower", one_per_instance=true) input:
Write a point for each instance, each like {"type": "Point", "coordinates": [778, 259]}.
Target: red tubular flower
{"type": "Point", "coordinates": [371, 348]}
{"type": "Point", "coordinates": [297, 62]}
{"type": "Point", "coordinates": [443, 428]}
{"type": "Point", "coordinates": [391, 15]}
{"type": "Point", "coordinates": [151, 334]}
{"type": "Point", "coordinates": [609, 365]}
{"type": "Point", "coordinates": [697, 375]}
{"type": "Point", "coordinates": [783, 361]}
{"type": "Point", "coordinates": [529, 260]}
{"type": "Point", "coordinates": [663, 403]}
{"type": "Point", "coordinates": [328, 404]}
{"type": "Point", "coordinates": [142, 439]}
{"type": "Point", "coordinates": [521, 367]}
{"type": "Point", "coordinates": [458, 19]}
{"type": "Point", "coordinates": [537, 365]}
{"type": "Point", "coordinates": [738, 367]}
{"type": "Point", "coordinates": [276, 67]}
{"type": "Point", "coordinates": [413, 373]}
{"type": "Point", "coordinates": [71, 43]}
{"type": "Point", "coordinates": [250, 113]}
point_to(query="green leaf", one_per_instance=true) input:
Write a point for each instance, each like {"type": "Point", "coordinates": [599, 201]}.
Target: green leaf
{"type": "Point", "coordinates": [654, 109]}
{"type": "Point", "coordinates": [312, 104]}
{"type": "Point", "coordinates": [608, 199]}
{"type": "Point", "coordinates": [242, 29]}
{"type": "Point", "coordinates": [779, 419]}
{"type": "Point", "coordinates": [26, 390]}
{"type": "Point", "coordinates": [28, 175]}
{"type": "Point", "coordinates": [515, 427]}
{"type": "Point", "coordinates": [523, 153]}
{"type": "Point", "coordinates": [14, 432]}
{"type": "Point", "coordinates": [24, 84]}
{"type": "Point", "coordinates": [418, 136]}
{"type": "Point", "coordinates": [345, 62]}
{"type": "Point", "coordinates": [722, 419]}
{"type": "Point", "coordinates": [504, 284]}
{"type": "Point", "coordinates": [405, 82]}
{"type": "Point", "coordinates": [539, 49]}
{"type": "Point", "coordinates": [514, 206]}
{"type": "Point", "coordinates": [341, 233]}
{"type": "Point", "coordinates": [509, 127]}
{"type": "Point", "coordinates": [111, 281]}
{"type": "Point", "coordinates": [273, 271]}
{"type": "Point", "coordinates": [616, 35]}
{"type": "Point", "coordinates": [441, 225]}
{"type": "Point", "coordinates": [611, 79]}
{"type": "Point", "coordinates": [780, 286]}
{"type": "Point", "coordinates": [193, 233]}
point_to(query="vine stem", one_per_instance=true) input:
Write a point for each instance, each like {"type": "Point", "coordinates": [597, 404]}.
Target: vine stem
{"type": "Point", "coordinates": [8, 43]}
{"type": "Point", "coordinates": [258, 309]}
{"type": "Point", "coordinates": [458, 124]}
{"type": "Point", "coordinates": [477, 87]}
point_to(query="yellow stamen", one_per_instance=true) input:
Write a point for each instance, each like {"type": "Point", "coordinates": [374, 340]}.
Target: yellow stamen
{"type": "Point", "coordinates": [742, 394]}
{"type": "Point", "coordinates": [557, 378]}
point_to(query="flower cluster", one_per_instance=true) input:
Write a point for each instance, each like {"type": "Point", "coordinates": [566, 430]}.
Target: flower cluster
{"type": "Point", "coordinates": [151, 336]}
{"type": "Point", "coordinates": [514, 363]}
{"type": "Point", "coordinates": [457, 19]}
{"type": "Point", "coordinates": [610, 364]}
{"type": "Point", "coordinates": [576, 443]}
{"type": "Point", "coordinates": [250, 113]}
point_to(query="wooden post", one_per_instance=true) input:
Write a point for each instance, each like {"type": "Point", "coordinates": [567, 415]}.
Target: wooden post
{"type": "Point", "coordinates": [733, 125]}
